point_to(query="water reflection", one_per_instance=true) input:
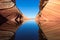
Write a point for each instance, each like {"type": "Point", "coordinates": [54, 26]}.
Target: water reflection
{"type": "Point", "coordinates": [29, 31]}
{"type": "Point", "coordinates": [51, 29]}
{"type": "Point", "coordinates": [42, 36]}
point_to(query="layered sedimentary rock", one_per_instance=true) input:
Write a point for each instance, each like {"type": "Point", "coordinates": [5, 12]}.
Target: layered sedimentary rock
{"type": "Point", "coordinates": [10, 19]}
{"type": "Point", "coordinates": [6, 4]}
{"type": "Point", "coordinates": [49, 18]}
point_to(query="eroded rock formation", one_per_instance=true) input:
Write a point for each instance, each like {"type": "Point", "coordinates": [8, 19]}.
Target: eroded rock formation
{"type": "Point", "coordinates": [49, 19]}
{"type": "Point", "coordinates": [10, 19]}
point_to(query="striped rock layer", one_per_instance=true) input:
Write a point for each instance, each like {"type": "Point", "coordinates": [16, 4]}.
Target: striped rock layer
{"type": "Point", "coordinates": [49, 19]}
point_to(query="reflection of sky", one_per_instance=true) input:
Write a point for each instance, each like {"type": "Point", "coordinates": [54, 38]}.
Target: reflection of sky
{"type": "Point", "coordinates": [29, 8]}
{"type": "Point", "coordinates": [28, 31]}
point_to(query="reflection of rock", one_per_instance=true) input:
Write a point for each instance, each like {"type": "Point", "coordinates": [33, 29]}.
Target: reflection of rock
{"type": "Point", "coordinates": [10, 19]}
{"type": "Point", "coordinates": [49, 19]}
{"type": "Point", "coordinates": [4, 35]}
{"type": "Point", "coordinates": [51, 29]}
{"type": "Point", "coordinates": [41, 35]}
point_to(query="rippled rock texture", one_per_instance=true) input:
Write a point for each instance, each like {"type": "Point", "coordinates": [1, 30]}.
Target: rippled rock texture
{"type": "Point", "coordinates": [49, 18]}
{"type": "Point", "coordinates": [10, 19]}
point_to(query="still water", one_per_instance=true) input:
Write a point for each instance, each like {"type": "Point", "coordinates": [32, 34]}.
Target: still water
{"type": "Point", "coordinates": [27, 31]}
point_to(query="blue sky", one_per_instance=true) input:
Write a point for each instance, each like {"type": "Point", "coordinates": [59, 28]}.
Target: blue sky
{"type": "Point", "coordinates": [29, 8]}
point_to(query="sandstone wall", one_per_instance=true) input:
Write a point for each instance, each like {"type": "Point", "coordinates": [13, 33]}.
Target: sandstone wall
{"type": "Point", "coordinates": [49, 19]}
{"type": "Point", "coordinates": [10, 19]}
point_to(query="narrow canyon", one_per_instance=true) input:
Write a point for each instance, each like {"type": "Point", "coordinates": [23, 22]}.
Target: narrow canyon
{"type": "Point", "coordinates": [48, 19]}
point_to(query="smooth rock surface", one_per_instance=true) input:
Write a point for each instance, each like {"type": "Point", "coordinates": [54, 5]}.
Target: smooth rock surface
{"type": "Point", "coordinates": [4, 4]}
{"type": "Point", "coordinates": [49, 19]}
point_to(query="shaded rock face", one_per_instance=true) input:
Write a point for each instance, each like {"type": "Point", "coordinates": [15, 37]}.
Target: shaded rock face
{"type": "Point", "coordinates": [43, 3]}
{"type": "Point", "coordinates": [10, 19]}
{"type": "Point", "coordinates": [42, 36]}
{"type": "Point", "coordinates": [6, 35]}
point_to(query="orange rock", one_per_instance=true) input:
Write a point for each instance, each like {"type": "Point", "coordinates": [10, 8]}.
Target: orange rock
{"type": "Point", "coordinates": [49, 19]}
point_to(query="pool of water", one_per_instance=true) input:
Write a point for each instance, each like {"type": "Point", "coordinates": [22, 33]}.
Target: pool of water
{"type": "Point", "coordinates": [29, 31]}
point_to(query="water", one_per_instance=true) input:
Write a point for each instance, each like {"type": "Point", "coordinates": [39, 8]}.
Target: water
{"type": "Point", "coordinates": [27, 31]}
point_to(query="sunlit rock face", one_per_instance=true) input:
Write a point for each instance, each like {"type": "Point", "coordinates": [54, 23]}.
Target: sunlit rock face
{"type": "Point", "coordinates": [49, 19]}
{"type": "Point", "coordinates": [41, 6]}
{"type": "Point", "coordinates": [10, 19]}
{"type": "Point", "coordinates": [49, 10]}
